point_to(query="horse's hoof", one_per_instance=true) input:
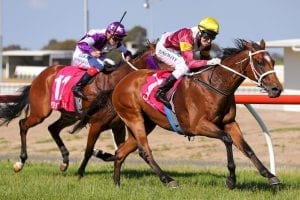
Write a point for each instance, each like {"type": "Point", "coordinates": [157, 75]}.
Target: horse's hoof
{"type": "Point", "coordinates": [274, 181]}
{"type": "Point", "coordinates": [172, 184]}
{"type": "Point", "coordinates": [18, 166]}
{"type": "Point", "coordinates": [107, 157]}
{"type": "Point", "coordinates": [110, 159]}
{"type": "Point", "coordinates": [230, 183]}
{"type": "Point", "coordinates": [63, 167]}
{"type": "Point", "coordinates": [117, 184]}
{"type": "Point", "coordinates": [80, 176]}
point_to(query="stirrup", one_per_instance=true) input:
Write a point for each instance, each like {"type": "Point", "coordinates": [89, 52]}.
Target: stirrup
{"type": "Point", "coordinates": [77, 92]}
{"type": "Point", "coordinates": [164, 101]}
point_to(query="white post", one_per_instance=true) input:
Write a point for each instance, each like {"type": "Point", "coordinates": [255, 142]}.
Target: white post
{"type": "Point", "coordinates": [1, 60]}
{"type": "Point", "coordinates": [150, 8]}
{"type": "Point", "coordinates": [85, 16]}
{"type": "Point", "coordinates": [267, 136]}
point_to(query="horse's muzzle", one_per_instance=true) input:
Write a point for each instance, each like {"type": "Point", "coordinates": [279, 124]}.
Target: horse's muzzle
{"type": "Point", "coordinates": [274, 92]}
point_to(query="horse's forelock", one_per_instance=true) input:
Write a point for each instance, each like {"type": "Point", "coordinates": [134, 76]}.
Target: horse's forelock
{"type": "Point", "coordinates": [240, 45]}
{"type": "Point", "coordinates": [256, 46]}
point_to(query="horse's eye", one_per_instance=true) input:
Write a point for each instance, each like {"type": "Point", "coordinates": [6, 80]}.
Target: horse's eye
{"type": "Point", "coordinates": [260, 64]}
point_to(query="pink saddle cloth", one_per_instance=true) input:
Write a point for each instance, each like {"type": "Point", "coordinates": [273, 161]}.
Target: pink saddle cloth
{"type": "Point", "coordinates": [149, 89]}
{"type": "Point", "coordinates": [62, 96]}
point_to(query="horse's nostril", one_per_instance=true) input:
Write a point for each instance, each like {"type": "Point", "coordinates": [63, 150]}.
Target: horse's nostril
{"type": "Point", "coordinates": [275, 92]}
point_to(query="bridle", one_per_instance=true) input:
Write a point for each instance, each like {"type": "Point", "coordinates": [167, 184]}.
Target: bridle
{"type": "Point", "coordinates": [259, 77]}
{"type": "Point", "coordinates": [256, 74]}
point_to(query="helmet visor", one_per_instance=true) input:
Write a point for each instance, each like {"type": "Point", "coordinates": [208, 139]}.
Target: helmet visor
{"type": "Point", "coordinates": [208, 35]}
{"type": "Point", "coordinates": [117, 38]}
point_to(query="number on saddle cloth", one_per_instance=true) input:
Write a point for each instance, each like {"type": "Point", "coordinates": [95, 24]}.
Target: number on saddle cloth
{"type": "Point", "coordinates": [149, 89]}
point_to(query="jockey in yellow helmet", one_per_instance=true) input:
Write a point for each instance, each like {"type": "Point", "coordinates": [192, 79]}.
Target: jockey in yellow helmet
{"type": "Point", "coordinates": [185, 49]}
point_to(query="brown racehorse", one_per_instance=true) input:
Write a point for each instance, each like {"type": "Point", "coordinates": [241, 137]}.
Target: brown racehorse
{"type": "Point", "coordinates": [35, 100]}
{"type": "Point", "coordinates": [204, 105]}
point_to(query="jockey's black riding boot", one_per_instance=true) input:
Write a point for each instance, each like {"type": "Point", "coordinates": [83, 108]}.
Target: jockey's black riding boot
{"type": "Point", "coordinates": [77, 89]}
{"type": "Point", "coordinates": [164, 88]}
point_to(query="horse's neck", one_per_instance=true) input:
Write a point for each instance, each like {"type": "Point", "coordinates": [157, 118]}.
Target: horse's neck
{"type": "Point", "coordinates": [141, 61]}
{"type": "Point", "coordinates": [227, 80]}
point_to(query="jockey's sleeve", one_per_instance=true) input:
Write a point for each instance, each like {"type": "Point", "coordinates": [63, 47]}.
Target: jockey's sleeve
{"type": "Point", "coordinates": [190, 61]}
{"type": "Point", "coordinates": [93, 39]}
{"type": "Point", "coordinates": [85, 45]}
{"type": "Point", "coordinates": [186, 42]}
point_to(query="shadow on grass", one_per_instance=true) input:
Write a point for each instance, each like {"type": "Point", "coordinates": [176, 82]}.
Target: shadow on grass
{"type": "Point", "coordinates": [140, 173]}
{"type": "Point", "coordinates": [204, 178]}
{"type": "Point", "coordinates": [255, 186]}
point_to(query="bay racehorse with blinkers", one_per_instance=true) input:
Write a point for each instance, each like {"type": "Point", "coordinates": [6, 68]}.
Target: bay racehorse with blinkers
{"type": "Point", "coordinates": [35, 99]}
{"type": "Point", "coordinates": [204, 105]}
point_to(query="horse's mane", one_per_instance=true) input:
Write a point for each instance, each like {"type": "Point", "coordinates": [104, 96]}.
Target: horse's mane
{"type": "Point", "coordinates": [140, 52]}
{"type": "Point", "coordinates": [240, 46]}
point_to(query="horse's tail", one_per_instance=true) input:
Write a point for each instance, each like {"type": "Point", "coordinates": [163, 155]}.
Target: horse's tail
{"type": "Point", "coordinates": [102, 101]}
{"type": "Point", "coordinates": [12, 110]}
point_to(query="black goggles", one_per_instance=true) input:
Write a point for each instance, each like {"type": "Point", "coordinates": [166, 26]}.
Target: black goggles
{"type": "Point", "coordinates": [117, 38]}
{"type": "Point", "coordinates": [208, 36]}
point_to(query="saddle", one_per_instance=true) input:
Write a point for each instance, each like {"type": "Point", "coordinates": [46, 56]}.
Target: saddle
{"type": "Point", "coordinates": [148, 91]}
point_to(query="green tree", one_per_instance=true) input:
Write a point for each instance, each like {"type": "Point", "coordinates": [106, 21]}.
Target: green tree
{"type": "Point", "coordinates": [12, 47]}
{"type": "Point", "coordinates": [137, 34]}
{"type": "Point", "coordinates": [53, 44]}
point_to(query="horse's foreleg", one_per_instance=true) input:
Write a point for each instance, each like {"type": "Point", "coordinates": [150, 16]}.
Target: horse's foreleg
{"type": "Point", "coordinates": [54, 130]}
{"type": "Point", "coordinates": [121, 153]}
{"type": "Point", "coordinates": [243, 146]}
{"type": "Point", "coordinates": [94, 132]}
{"type": "Point", "coordinates": [206, 128]}
{"type": "Point", "coordinates": [231, 179]}
{"type": "Point", "coordinates": [167, 180]}
{"type": "Point", "coordinates": [144, 147]}
{"type": "Point", "coordinates": [129, 146]}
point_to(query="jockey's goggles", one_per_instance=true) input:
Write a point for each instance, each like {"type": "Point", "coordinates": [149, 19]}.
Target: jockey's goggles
{"type": "Point", "coordinates": [117, 38]}
{"type": "Point", "coordinates": [207, 35]}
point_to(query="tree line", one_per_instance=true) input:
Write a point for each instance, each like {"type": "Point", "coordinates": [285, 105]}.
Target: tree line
{"type": "Point", "coordinates": [137, 35]}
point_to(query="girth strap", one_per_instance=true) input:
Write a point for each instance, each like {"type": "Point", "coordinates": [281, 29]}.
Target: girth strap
{"type": "Point", "coordinates": [173, 120]}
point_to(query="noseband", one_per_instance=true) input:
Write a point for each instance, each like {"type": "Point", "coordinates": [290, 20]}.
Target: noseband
{"type": "Point", "coordinates": [258, 76]}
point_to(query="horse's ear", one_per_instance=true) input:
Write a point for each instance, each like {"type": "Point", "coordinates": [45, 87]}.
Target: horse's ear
{"type": "Point", "coordinates": [262, 44]}
{"type": "Point", "coordinates": [148, 42]}
{"type": "Point", "coordinates": [151, 45]}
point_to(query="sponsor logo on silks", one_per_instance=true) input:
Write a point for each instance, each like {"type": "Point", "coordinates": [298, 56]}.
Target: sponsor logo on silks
{"type": "Point", "coordinates": [167, 54]}
{"type": "Point", "coordinates": [184, 46]}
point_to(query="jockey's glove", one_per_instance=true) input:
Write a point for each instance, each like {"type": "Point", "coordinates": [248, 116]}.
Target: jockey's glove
{"type": "Point", "coordinates": [214, 61]}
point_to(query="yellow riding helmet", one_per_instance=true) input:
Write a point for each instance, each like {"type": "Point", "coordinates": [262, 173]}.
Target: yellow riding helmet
{"type": "Point", "coordinates": [210, 24]}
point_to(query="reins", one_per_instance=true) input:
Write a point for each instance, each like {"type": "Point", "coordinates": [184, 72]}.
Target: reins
{"type": "Point", "coordinates": [256, 74]}
{"type": "Point", "coordinates": [191, 75]}
{"type": "Point", "coordinates": [129, 63]}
